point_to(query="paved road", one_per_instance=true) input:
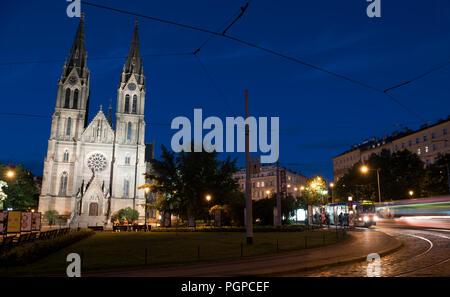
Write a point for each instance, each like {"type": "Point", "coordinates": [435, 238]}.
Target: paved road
{"type": "Point", "coordinates": [425, 252]}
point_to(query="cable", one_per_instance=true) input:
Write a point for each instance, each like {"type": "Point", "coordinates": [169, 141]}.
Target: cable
{"type": "Point", "coordinates": [293, 59]}
{"type": "Point", "coordinates": [418, 77]}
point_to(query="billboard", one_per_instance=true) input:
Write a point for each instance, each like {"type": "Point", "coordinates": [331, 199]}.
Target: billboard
{"type": "Point", "coordinates": [36, 221]}
{"type": "Point", "coordinates": [3, 221]}
{"type": "Point", "coordinates": [25, 225]}
{"type": "Point", "coordinates": [14, 220]}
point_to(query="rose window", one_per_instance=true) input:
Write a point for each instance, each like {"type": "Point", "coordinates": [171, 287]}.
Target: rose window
{"type": "Point", "coordinates": [97, 162]}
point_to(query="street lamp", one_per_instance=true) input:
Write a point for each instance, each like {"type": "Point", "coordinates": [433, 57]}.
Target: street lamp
{"type": "Point", "coordinates": [10, 173]}
{"type": "Point", "coordinates": [313, 185]}
{"type": "Point", "coordinates": [147, 191]}
{"type": "Point", "coordinates": [331, 187]}
{"type": "Point", "coordinates": [411, 193]}
{"type": "Point", "coordinates": [365, 169]}
{"type": "Point", "coordinates": [208, 197]}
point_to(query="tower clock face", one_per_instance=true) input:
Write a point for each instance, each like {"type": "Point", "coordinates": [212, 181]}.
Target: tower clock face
{"type": "Point", "coordinates": [73, 80]}
{"type": "Point", "coordinates": [132, 86]}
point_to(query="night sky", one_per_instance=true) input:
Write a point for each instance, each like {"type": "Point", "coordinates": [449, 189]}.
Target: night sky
{"type": "Point", "coordinates": [320, 115]}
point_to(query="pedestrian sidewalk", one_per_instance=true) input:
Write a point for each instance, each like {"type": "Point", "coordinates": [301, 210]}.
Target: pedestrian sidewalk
{"type": "Point", "coordinates": [360, 244]}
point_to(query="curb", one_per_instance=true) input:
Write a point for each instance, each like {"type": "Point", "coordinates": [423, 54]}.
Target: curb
{"type": "Point", "coordinates": [383, 253]}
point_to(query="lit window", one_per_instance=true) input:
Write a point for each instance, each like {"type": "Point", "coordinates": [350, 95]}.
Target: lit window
{"type": "Point", "coordinates": [426, 149]}
{"type": "Point", "coordinates": [418, 151]}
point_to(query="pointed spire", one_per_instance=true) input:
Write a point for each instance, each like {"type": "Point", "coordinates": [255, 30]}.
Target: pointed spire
{"type": "Point", "coordinates": [78, 54]}
{"type": "Point", "coordinates": [110, 113]}
{"type": "Point", "coordinates": [133, 62]}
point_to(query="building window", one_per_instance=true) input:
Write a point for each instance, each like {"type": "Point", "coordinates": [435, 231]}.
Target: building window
{"type": "Point", "coordinates": [428, 162]}
{"type": "Point", "coordinates": [66, 156]}
{"type": "Point", "coordinates": [434, 147]}
{"type": "Point", "coordinates": [426, 149]}
{"type": "Point", "coordinates": [129, 131]}
{"type": "Point", "coordinates": [69, 124]}
{"type": "Point", "coordinates": [433, 135]}
{"type": "Point", "coordinates": [127, 104]}
{"type": "Point", "coordinates": [403, 145]}
{"type": "Point", "coordinates": [444, 131]}
{"type": "Point", "coordinates": [424, 138]}
{"type": "Point", "coordinates": [134, 107]}
{"type": "Point", "coordinates": [418, 151]}
{"type": "Point", "coordinates": [63, 184]}
{"type": "Point", "coordinates": [127, 160]}
{"type": "Point", "coordinates": [126, 187]}
{"type": "Point", "coordinates": [409, 143]}
{"type": "Point", "coordinates": [67, 99]}
{"type": "Point", "coordinates": [75, 99]}
{"type": "Point", "coordinates": [417, 140]}
{"type": "Point", "coordinates": [396, 147]}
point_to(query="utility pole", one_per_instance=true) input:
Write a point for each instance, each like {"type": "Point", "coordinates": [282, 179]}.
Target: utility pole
{"type": "Point", "coordinates": [378, 180]}
{"type": "Point", "coordinates": [278, 218]}
{"type": "Point", "coordinates": [248, 190]}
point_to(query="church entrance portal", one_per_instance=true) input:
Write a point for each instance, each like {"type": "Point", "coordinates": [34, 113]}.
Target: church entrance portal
{"type": "Point", "coordinates": [93, 209]}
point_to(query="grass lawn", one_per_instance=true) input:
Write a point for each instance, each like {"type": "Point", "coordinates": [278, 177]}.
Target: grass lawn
{"type": "Point", "coordinates": [126, 249]}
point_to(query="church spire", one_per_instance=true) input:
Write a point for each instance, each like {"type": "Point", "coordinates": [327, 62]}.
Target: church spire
{"type": "Point", "coordinates": [133, 63]}
{"type": "Point", "coordinates": [78, 54]}
{"type": "Point", "coordinates": [110, 113]}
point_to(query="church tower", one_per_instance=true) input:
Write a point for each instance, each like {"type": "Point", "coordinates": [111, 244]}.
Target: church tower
{"type": "Point", "coordinates": [130, 127]}
{"type": "Point", "coordinates": [68, 123]}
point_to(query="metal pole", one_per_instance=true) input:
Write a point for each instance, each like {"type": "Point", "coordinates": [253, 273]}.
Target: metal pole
{"type": "Point", "coordinates": [278, 221]}
{"type": "Point", "coordinates": [248, 191]}
{"type": "Point", "coordinates": [379, 192]}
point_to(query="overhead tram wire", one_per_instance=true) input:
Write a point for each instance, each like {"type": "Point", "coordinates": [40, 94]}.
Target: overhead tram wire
{"type": "Point", "coordinates": [418, 77]}
{"type": "Point", "coordinates": [293, 59]}
{"type": "Point", "coordinates": [203, 66]}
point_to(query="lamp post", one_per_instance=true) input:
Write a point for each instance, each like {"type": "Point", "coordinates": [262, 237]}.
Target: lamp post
{"type": "Point", "coordinates": [411, 193]}
{"type": "Point", "coordinates": [331, 190]}
{"type": "Point", "coordinates": [208, 198]}
{"type": "Point", "coordinates": [365, 169]}
{"type": "Point", "coordinates": [147, 191]}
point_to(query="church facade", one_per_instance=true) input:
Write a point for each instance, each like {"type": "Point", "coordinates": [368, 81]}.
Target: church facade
{"type": "Point", "coordinates": [93, 169]}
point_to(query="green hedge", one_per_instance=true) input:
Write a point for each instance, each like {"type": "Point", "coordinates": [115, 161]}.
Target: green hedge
{"type": "Point", "coordinates": [32, 251]}
{"type": "Point", "coordinates": [287, 228]}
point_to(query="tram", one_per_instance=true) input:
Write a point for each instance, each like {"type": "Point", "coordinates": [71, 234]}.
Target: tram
{"type": "Point", "coordinates": [363, 211]}
{"type": "Point", "coordinates": [433, 206]}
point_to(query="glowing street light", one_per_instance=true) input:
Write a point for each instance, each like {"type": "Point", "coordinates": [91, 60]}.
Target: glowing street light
{"type": "Point", "coordinates": [411, 193]}
{"type": "Point", "coordinates": [208, 197]}
{"type": "Point", "coordinates": [313, 185]}
{"type": "Point", "coordinates": [331, 185]}
{"type": "Point", "coordinates": [10, 173]}
{"type": "Point", "coordinates": [364, 169]}
{"type": "Point", "coordinates": [302, 188]}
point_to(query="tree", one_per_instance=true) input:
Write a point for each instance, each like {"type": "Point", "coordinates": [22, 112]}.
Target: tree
{"type": "Point", "coordinates": [435, 181]}
{"type": "Point", "coordinates": [51, 216]}
{"type": "Point", "coordinates": [316, 192]}
{"type": "Point", "coordinates": [123, 214]}
{"type": "Point", "coordinates": [21, 189]}
{"type": "Point", "coordinates": [184, 179]}
{"type": "Point", "coordinates": [399, 173]}
{"type": "Point", "coordinates": [3, 196]}
{"type": "Point", "coordinates": [263, 208]}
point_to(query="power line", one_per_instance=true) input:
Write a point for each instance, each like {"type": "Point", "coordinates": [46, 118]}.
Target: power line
{"type": "Point", "coordinates": [293, 59]}
{"type": "Point", "coordinates": [418, 77]}
{"type": "Point", "coordinates": [96, 58]}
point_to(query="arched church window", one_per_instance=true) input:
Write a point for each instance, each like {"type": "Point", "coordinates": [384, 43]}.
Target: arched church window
{"type": "Point", "coordinates": [69, 124]}
{"type": "Point", "coordinates": [129, 131]}
{"type": "Point", "coordinates": [126, 187]}
{"type": "Point", "coordinates": [75, 99]}
{"type": "Point", "coordinates": [134, 104]}
{"type": "Point", "coordinates": [127, 104]}
{"type": "Point", "coordinates": [127, 160]}
{"type": "Point", "coordinates": [67, 99]}
{"type": "Point", "coordinates": [66, 156]}
{"type": "Point", "coordinates": [63, 184]}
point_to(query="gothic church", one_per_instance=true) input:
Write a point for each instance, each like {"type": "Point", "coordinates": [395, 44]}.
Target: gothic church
{"type": "Point", "coordinates": [91, 169]}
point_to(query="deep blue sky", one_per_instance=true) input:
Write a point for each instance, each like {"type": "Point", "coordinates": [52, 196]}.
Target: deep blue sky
{"type": "Point", "coordinates": [320, 115]}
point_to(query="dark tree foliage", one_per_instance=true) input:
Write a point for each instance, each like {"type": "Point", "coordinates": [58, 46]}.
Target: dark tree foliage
{"type": "Point", "coordinates": [22, 191]}
{"type": "Point", "coordinates": [436, 179]}
{"type": "Point", "coordinates": [123, 214]}
{"type": "Point", "coordinates": [399, 172]}
{"type": "Point", "coordinates": [184, 179]}
{"type": "Point", "coordinates": [263, 208]}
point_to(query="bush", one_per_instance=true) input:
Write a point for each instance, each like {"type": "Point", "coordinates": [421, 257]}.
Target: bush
{"type": "Point", "coordinates": [123, 214]}
{"type": "Point", "coordinates": [32, 251]}
{"type": "Point", "coordinates": [51, 216]}
{"type": "Point", "coordinates": [288, 228]}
